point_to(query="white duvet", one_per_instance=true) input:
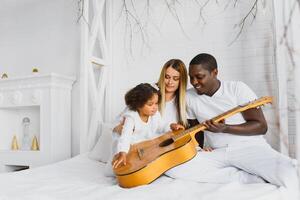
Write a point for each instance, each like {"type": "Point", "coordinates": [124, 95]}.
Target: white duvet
{"type": "Point", "coordinates": [82, 178]}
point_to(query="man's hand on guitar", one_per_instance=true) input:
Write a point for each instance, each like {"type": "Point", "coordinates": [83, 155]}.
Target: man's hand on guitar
{"type": "Point", "coordinates": [119, 159]}
{"type": "Point", "coordinates": [175, 127]}
{"type": "Point", "coordinates": [208, 149]}
{"type": "Point", "coordinates": [216, 127]}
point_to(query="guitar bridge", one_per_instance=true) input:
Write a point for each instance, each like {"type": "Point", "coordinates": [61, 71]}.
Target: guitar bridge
{"type": "Point", "coordinates": [140, 153]}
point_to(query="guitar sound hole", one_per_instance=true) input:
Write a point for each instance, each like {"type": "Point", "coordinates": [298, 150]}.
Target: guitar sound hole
{"type": "Point", "coordinates": [166, 142]}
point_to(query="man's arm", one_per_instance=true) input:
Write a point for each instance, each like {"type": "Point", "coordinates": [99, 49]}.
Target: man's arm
{"type": "Point", "coordinates": [255, 124]}
{"type": "Point", "coordinates": [199, 136]}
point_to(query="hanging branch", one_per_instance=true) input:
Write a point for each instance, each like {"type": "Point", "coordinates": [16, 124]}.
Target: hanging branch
{"type": "Point", "coordinates": [173, 11]}
{"type": "Point", "coordinates": [235, 3]}
{"type": "Point", "coordinates": [201, 10]}
{"type": "Point", "coordinates": [291, 52]}
{"type": "Point", "coordinates": [284, 38]}
{"type": "Point", "coordinates": [80, 4]}
{"type": "Point", "coordinates": [253, 12]}
{"type": "Point", "coordinates": [132, 20]}
{"type": "Point", "coordinates": [293, 102]}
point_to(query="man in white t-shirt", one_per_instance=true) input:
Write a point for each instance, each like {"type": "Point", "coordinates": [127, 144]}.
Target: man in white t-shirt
{"type": "Point", "coordinates": [240, 153]}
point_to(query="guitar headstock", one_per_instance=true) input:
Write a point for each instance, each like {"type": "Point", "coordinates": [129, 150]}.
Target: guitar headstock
{"type": "Point", "coordinates": [259, 102]}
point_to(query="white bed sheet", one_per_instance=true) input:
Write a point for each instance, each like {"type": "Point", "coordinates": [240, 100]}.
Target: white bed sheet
{"type": "Point", "coordinates": [82, 178]}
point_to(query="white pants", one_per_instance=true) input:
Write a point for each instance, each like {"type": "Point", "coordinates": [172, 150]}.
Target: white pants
{"type": "Point", "coordinates": [245, 162]}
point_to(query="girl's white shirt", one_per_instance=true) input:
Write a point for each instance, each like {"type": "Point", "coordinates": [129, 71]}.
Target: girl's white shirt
{"type": "Point", "coordinates": [135, 130]}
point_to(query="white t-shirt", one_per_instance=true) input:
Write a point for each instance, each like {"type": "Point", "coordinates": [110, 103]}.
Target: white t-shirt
{"type": "Point", "coordinates": [135, 130]}
{"type": "Point", "coordinates": [170, 114]}
{"type": "Point", "coordinates": [229, 95]}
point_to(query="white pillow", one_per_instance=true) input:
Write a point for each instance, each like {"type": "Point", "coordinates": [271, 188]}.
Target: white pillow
{"type": "Point", "coordinates": [102, 149]}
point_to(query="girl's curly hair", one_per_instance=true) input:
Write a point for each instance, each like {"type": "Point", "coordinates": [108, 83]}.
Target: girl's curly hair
{"type": "Point", "coordinates": [138, 96]}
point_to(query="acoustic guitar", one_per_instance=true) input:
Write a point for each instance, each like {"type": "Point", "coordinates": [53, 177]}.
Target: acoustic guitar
{"type": "Point", "coordinates": [147, 160]}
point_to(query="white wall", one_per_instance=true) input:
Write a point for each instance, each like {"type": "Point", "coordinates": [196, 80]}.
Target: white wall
{"type": "Point", "coordinates": [42, 34]}
{"type": "Point", "coordinates": [250, 58]}
{"type": "Point", "coordinates": [38, 33]}
{"type": "Point", "coordinates": [45, 34]}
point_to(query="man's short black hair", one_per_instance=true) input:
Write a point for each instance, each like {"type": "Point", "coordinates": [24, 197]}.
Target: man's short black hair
{"type": "Point", "coordinates": [206, 60]}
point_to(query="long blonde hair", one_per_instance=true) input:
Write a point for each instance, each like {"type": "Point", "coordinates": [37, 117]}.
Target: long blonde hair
{"type": "Point", "coordinates": [179, 66]}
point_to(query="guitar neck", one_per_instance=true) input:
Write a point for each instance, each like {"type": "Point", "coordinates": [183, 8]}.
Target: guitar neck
{"type": "Point", "coordinates": [200, 127]}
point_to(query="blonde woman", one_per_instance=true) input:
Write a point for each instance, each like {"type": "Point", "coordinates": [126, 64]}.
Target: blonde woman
{"type": "Point", "coordinates": [172, 84]}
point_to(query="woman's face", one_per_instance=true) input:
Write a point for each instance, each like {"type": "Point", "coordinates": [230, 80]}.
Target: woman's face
{"type": "Point", "coordinates": [172, 79]}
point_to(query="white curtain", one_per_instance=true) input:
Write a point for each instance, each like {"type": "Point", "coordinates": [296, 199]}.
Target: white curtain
{"type": "Point", "coordinates": [287, 29]}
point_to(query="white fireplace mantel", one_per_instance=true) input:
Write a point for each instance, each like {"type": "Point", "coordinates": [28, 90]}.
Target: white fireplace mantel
{"type": "Point", "coordinates": [46, 99]}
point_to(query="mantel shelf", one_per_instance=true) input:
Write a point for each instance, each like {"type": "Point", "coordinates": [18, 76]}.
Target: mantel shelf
{"type": "Point", "coordinates": [38, 76]}
{"type": "Point", "coordinates": [19, 151]}
{"type": "Point", "coordinates": [36, 81]}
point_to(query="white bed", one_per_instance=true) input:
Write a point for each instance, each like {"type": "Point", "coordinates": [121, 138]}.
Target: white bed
{"type": "Point", "coordinates": [83, 178]}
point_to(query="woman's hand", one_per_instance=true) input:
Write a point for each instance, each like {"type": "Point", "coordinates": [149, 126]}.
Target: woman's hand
{"type": "Point", "coordinates": [175, 127]}
{"type": "Point", "coordinates": [119, 159]}
{"type": "Point", "coordinates": [119, 127]}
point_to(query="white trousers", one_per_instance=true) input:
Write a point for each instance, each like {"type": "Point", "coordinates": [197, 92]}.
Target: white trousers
{"type": "Point", "coordinates": [245, 162]}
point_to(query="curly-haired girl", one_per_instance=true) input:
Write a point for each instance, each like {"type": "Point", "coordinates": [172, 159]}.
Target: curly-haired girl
{"type": "Point", "coordinates": [142, 121]}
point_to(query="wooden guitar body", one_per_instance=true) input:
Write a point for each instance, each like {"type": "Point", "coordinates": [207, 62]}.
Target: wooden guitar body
{"type": "Point", "coordinates": [147, 160]}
